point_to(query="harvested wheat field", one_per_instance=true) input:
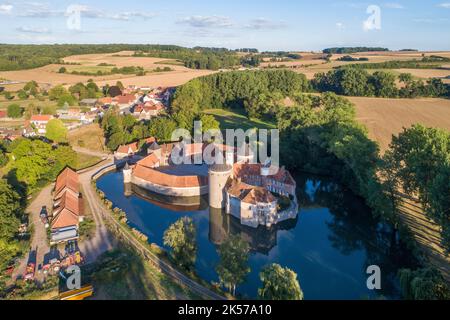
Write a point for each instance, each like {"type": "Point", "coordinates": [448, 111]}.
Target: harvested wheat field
{"type": "Point", "coordinates": [387, 117]}
{"type": "Point", "coordinates": [89, 137]}
{"type": "Point", "coordinates": [49, 76]}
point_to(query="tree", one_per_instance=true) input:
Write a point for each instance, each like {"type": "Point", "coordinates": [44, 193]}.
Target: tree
{"type": "Point", "coordinates": [209, 122]}
{"type": "Point", "coordinates": [62, 70]}
{"type": "Point", "coordinates": [423, 284]}
{"type": "Point", "coordinates": [57, 92]}
{"type": "Point", "coordinates": [14, 111]}
{"type": "Point", "coordinates": [162, 128]}
{"type": "Point", "coordinates": [384, 84]}
{"type": "Point", "coordinates": [66, 98]}
{"type": "Point", "coordinates": [233, 265]}
{"type": "Point", "coordinates": [22, 95]}
{"type": "Point", "coordinates": [279, 283]}
{"type": "Point", "coordinates": [120, 85]}
{"type": "Point", "coordinates": [56, 131]}
{"type": "Point", "coordinates": [181, 237]}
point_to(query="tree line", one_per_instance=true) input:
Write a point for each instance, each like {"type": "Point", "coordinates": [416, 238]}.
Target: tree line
{"type": "Point", "coordinates": [19, 57]}
{"type": "Point", "coordinates": [358, 82]}
{"type": "Point", "coordinates": [431, 62]}
{"type": "Point", "coordinates": [343, 50]}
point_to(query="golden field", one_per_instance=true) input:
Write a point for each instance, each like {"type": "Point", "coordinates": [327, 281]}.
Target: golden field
{"type": "Point", "coordinates": [386, 117]}
{"type": "Point", "coordinates": [49, 76]}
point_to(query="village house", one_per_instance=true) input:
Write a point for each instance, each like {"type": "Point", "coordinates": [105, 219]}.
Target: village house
{"type": "Point", "coordinates": [148, 110]}
{"type": "Point", "coordinates": [39, 122]}
{"type": "Point", "coordinates": [126, 151]}
{"type": "Point", "coordinates": [125, 100]}
{"type": "Point", "coordinates": [68, 207]}
{"type": "Point", "coordinates": [88, 102]}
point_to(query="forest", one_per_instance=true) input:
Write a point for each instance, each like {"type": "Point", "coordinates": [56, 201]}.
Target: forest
{"type": "Point", "coordinates": [19, 57]}
{"type": "Point", "coordinates": [358, 82]}
{"type": "Point", "coordinates": [343, 50]}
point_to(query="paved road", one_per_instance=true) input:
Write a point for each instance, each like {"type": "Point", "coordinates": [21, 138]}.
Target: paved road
{"type": "Point", "coordinates": [39, 243]}
{"type": "Point", "coordinates": [102, 240]}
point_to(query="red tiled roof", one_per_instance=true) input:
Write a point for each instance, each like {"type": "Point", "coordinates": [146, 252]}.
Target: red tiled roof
{"type": "Point", "coordinates": [250, 194]}
{"type": "Point", "coordinates": [70, 202]}
{"type": "Point", "coordinates": [150, 162]}
{"type": "Point", "coordinates": [167, 180]}
{"type": "Point", "coordinates": [106, 100]}
{"type": "Point", "coordinates": [126, 148]}
{"type": "Point", "coordinates": [126, 98]}
{"type": "Point", "coordinates": [41, 117]}
{"type": "Point", "coordinates": [246, 170]}
{"type": "Point", "coordinates": [67, 179]}
{"type": "Point", "coordinates": [65, 218]}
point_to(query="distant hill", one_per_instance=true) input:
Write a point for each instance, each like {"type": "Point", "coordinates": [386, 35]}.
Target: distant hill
{"type": "Point", "coordinates": [344, 50]}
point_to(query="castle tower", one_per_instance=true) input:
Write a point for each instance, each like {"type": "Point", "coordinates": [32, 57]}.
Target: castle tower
{"type": "Point", "coordinates": [127, 173]}
{"type": "Point", "coordinates": [218, 178]}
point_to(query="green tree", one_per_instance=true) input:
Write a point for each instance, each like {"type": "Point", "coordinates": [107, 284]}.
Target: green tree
{"type": "Point", "coordinates": [56, 131]}
{"type": "Point", "coordinates": [233, 265]}
{"type": "Point", "coordinates": [57, 92]}
{"type": "Point", "coordinates": [67, 98]}
{"type": "Point", "coordinates": [181, 237]}
{"type": "Point", "coordinates": [209, 122]}
{"type": "Point", "coordinates": [279, 283]}
{"type": "Point", "coordinates": [423, 284]}
{"type": "Point", "coordinates": [62, 70]}
{"type": "Point", "coordinates": [14, 111]}
{"type": "Point", "coordinates": [162, 129]}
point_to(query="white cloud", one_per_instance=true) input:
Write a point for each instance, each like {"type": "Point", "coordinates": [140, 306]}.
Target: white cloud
{"type": "Point", "coordinates": [340, 25]}
{"type": "Point", "coordinates": [263, 23]}
{"type": "Point", "coordinates": [6, 8]}
{"type": "Point", "coordinates": [393, 5]}
{"type": "Point", "coordinates": [207, 21]}
{"type": "Point", "coordinates": [33, 29]}
{"type": "Point", "coordinates": [89, 12]}
{"type": "Point", "coordinates": [445, 5]}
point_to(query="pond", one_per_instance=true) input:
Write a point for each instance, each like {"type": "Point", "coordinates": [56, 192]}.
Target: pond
{"type": "Point", "coordinates": [329, 246]}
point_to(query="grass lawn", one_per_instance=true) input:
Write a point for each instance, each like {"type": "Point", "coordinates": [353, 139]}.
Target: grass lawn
{"type": "Point", "coordinates": [4, 103]}
{"type": "Point", "coordinates": [85, 161]}
{"type": "Point", "coordinates": [89, 137]}
{"type": "Point", "coordinates": [234, 119]}
{"type": "Point", "coordinates": [123, 275]}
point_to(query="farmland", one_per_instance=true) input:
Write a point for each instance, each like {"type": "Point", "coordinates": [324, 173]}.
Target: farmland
{"type": "Point", "coordinates": [387, 117]}
{"type": "Point", "coordinates": [49, 75]}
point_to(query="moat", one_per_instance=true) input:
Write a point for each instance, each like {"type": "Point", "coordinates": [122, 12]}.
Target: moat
{"type": "Point", "coordinates": [330, 244]}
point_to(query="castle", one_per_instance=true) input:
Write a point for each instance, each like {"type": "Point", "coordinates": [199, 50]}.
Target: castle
{"type": "Point", "coordinates": [256, 194]}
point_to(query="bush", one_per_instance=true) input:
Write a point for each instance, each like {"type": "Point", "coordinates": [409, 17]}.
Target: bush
{"type": "Point", "coordinates": [15, 111]}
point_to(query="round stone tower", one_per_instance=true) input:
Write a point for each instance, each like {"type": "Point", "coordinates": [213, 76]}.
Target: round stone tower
{"type": "Point", "coordinates": [218, 178]}
{"type": "Point", "coordinates": [127, 174]}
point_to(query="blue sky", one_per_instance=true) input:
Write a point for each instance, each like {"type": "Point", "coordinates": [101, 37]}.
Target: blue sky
{"type": "Point", "coordinates": [263, 24]}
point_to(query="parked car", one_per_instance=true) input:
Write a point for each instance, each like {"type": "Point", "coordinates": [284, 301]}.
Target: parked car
{"type": "Point", "coordinates": [29, 274]}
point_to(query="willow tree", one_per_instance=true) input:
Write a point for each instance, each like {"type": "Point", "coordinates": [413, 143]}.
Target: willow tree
{"type": "Point", "coordinates": [233, 266]}
{"type": "Point", "coordinates": [279, 283]}
{"type": "Point", "coordinates": [181, 237]}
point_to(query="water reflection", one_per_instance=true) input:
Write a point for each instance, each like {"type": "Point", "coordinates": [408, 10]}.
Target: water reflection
{"type": "Point", "coordinates": [261, 240]}
{"type": "Point", "coordinates": [330, 244]}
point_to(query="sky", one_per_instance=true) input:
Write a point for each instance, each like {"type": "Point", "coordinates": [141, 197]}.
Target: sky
{"type": "Point", "coordinates": [262, 24]}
